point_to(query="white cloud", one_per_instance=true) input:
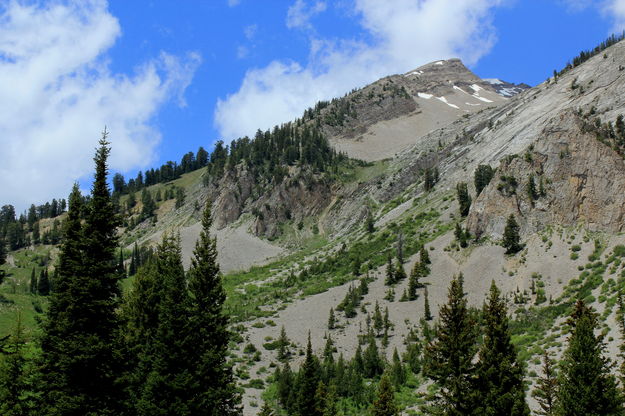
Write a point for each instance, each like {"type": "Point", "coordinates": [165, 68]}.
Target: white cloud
{"type": "Point", "coordinates": [616, 10]}
{"type": "Point", "coordinates": [57, 93]}
{"type": "Point", "coordinates": [300, 13]}
{"type": "Point", "coordinates": [233, 3]}
{"type": "Point", "coordinates": [405, 33]}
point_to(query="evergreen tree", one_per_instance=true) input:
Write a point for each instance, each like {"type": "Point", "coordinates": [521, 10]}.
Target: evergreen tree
{"type": "Point", "coordinates": [427, 313]}
{"type": "Point", "coordinates": [482, 177]}
{"type": "Point", "coordinates": [266, 410]}
{"type": "Point", "coordinates": [464, 199]}
{"type": "Point", "coordinates": [283, 345]}
{"type": "Point", "coordinates": [169, 381]}
{"type": "Point", "coordinates": [214, 386]}
{"type": "Point", "coordinates": [372, 362]}
{"type": "Point", "coordinates": [14, 400]}
{"type": "Point", "coordinates": [33, 282]}
{"type": "Point", "coordinates": [449, 358]}
{"type": "Point", "coordinates": [397, 371]}
{"type": "Point", "coordinates": [308, 382]}
{"type": "Point", "coordinates": [586, 385]}
{"type": "Point", "coordinates": [378, 321]}
{"type": "Point", "coordinates": [511, 238]}
{"type": "Point", "coordinates": [461, 236]}
{"type": "Point", "coordinates": [79, 365]}
{"type": "Point", "coordinates": [424, 256]}
{"type": "Point", "coordinates": [532, 193]}
{"type": "Point", "coordinates": [499, 374]}
{"type": "Point", "coordinates": [390, 272]}
{"type": "Point", "coordinates": [546, 391]}
{"type": "Point", "coordinates": [384, 404]}
{"type": "Point", "coordinates": [370, 223]}
{"type": "Point", "coordinates": [400, 273]}
{"type": "Point", "coordinates": [331, 319]}
{"type": "Point", "coordinates": [43, 285]}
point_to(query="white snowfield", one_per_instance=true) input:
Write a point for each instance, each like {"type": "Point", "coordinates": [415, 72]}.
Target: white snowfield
{"type": "Point", "coordinates": [443, 99]}
{"type": "Point", "coordinates": [424, 95]}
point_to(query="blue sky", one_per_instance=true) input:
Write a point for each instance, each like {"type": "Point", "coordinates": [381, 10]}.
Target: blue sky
{"type": "Point", "coordinates": [169, 76]}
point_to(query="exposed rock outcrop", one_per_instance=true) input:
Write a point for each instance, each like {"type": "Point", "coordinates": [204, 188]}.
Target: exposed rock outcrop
{"type": "Point", "coordinates": [583, 181]}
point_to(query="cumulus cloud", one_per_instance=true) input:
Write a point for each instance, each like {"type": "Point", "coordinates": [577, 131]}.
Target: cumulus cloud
{"type": "Point", "coordinates": [404, 33]}
{"type": "Point", "coordinates": [300, 13]}
{"type": "Point", "coordinates": [57, 93]}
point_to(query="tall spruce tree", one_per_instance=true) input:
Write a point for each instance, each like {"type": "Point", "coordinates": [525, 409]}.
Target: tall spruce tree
{"type": "Point", "coordinates": [43, 284]}
{"type": "Point", "coordinates": [499, 374]}
{"type": "Point", "coordinates": [33, 282]}
{"type": "Point", "coordinates": [79, 364]}
{"type": "Point", "coordinates": [464, 199]}
{"type": "Point", "coordinates": [546, 391]}
{"type": "Point", "coordinates": [511, 237]}
{"type": "Point", "coordinates": [214, 387]}
{"type": "Point", "coordinates": [384, 404]}
{"type": "Point", "coordinates": [14, 400]}
{"type": "Point", "coordinates": [587, 386]}
{"type": "Point", "coordinates": [309, 378]}
{"type": "Point", "coordinates": [167, 388]}
{"type": "Point", "coordinates": [449, 357]}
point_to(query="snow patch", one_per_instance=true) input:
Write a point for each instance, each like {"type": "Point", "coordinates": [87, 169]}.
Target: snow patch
{"type": "Point", "coordinates": [443, 99]}
{"type": "Point", "coordinates": [439, 63]}
{"type": "Point", "coordinates": [494, 81]}
{"type": "Point", "coordinates": [476, 88]}
{"type": "Point", "coordinates": [473, 105]}
{"type": "Point", "coordinates": [460, 89]}
{"type": "Point", "coordinates": [424, 95]}
{"type": "Point", "coordinates": [486, 100]}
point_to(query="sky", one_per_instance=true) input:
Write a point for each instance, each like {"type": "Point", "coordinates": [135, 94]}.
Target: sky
{"type": "Point", "coordinates": [168, 76]}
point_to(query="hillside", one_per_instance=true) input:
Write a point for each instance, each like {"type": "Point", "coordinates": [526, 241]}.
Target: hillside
{"type": "Point", "coordinates": [298, 230]}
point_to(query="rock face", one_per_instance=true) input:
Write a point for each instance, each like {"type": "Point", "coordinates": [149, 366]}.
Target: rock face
{"type": "Point", "coordinates": [583, 180]}
{"type": "Point", "coordinates": [300, 195]}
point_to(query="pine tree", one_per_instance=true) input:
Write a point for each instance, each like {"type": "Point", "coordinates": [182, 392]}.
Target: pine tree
{"type": "Point", "coordinates": [424, 256]}
{"type": "Point", "coordinates": [43, 284]}
{"type": "Point", "coordinates": [373, 365]}
{"type": "Point", "coordinates": [370, 223]}
{"type": "Point", "coordinates": [384, 404]}
{"type": "Point", "coordinates": [378, 321]}
{"type": "Point", "coordinates": [427, 313]}
{"type": "Point", "coordinates": [482, 177]}
{"type": "Point", "coordinates": [214, 385]}
{"type": "Point", "coordinates": [532, 193]}
{"type": "Point", "coordinates": [499, 374]}
{"type": "Point", "coordinates": [461, 236]}
{"type": "Point", "coordinates": [397, 371]}
{"type": "Point", "coordinates": [390, 272]}
{"type": "Point", "coordinates": [449, 358]}
{"type": "Point", "coordinates": [400, 273]}
{"type": "Point", "coordinates": [14, 386]}
{"type": "Point", "coordinates": [79, 364]}
{"type": "Point", "coordinates": [283, 345]}
{"type": "Point", "coordinates": [33, 282]}
{"type": "Point", "coordinates": [546, 391]}
{"type": "Point", "coordinates": [169, 381]}
{"type": "Point", "coordinates": [511, 238]}
{"type": "Point", "coordinates": [586, 385]}
{"type": "Point", "coordinates": [331, 319]}
{"type": "Point", "coordinates": [308, 382]}
{"type": "Point", "coordinates": [464, 199]}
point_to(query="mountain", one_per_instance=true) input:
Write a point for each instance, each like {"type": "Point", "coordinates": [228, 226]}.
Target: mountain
{"type": "Point", "coordinates": [309, 212]}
